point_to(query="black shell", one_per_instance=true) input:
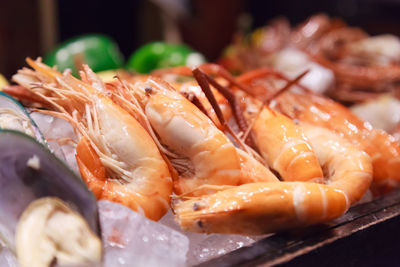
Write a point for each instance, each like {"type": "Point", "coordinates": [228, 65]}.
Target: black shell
{"type": "Point", "coordinates": [21, 184]}
{"type": "Point", "coordinates": [7, 101]}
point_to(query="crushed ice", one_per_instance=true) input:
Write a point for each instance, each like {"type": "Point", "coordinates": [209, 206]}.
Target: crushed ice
{"type": "Point", "coordinates": [56, 131]}
{"type": "Point", "coordinates": [203, 247]}
{"type": "Point", "coordinates": [130, 239]}
{"type": "Point", "coordinates": [7, 257]}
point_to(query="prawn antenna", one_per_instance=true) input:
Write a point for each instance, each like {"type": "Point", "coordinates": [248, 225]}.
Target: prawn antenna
{"type": "Point", "coordinates": [273, 96]}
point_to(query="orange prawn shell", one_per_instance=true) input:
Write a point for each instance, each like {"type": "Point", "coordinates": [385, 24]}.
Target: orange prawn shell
{"type": "Point", "coordinates": [321, 111]}
{"type": "Point", "coordinates": [117, 157]}
{"type": "Point", "coordinates": [297, 162]}
{"type": "Point", "coordinates": [260, 208]}
{"type": "Point", "coordinates": [90, 167]}
{"type": "Point", "coordinates": [210, 150]}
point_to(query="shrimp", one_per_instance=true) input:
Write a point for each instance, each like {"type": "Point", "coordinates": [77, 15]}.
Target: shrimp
{"type": "Point", "coordinates": [382, 147]}
{"type": "Point", "coordinates": [348, 167]}
{"type": "Point", "coordinates": [259, 208]}
{"type": "Point", "coordinates": [285, 147]}
{"type": "Point", "coordinates": [117, 157]}
{"type": "Point", "coordinates": [280, 142]}
{"type": "Point", "coordinates": [192, 91]}
{"type": "Point", "coordinates": [252, 170]}
{"type": "Point", "coordinates": [307, 107]}
{"type": "Point", "coordinates": [193, 159]}
{"type": "Point", "coordinates": [246, 203]}
{"type": "Point", "coordinates": [219, 91]}
{"type": "Point", "coordinates": [198, 150]}
{"type": "Point", "coordinates": [216, 180]}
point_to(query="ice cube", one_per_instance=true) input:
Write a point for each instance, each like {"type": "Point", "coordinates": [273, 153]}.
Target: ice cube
{"type": "Point", "coordinates": [130, 239]}
{"type": "Point", "coordinates": [215, 245]}
{"type": "Point", "coordinates": [169, 221]}
{"type": "Point", "coordinates": [57, 132]}
{"type": "Point", "coordinates": [203, 247]}
{"type": "Point", "coordinates": [53, 127]}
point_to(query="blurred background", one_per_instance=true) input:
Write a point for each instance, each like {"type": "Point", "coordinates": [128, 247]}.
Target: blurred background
{"type": "Point", "coordinates": [33, 28]}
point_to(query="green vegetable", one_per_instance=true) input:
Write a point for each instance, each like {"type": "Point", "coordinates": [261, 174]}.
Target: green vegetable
{"type": "Point", "coordinates": [161, 55]}
{"type": "Point", "coordinates": [98, 51]}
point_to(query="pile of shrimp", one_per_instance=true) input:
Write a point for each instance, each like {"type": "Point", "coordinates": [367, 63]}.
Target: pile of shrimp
{"type": "Point", "coordinates": [364, 66]}
{"type": "Point", "coordinates": [227, 154]}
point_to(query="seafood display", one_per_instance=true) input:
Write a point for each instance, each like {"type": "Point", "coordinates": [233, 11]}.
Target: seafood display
{"type": "Point", "coordinates": [288, 151]}
{"type": "Point", "coordinates": [116, 156]}
{"type": "Point", "coordinates": [309, 108]}
{"type": "Point", "coordinates": [194, 153]}
{"type": "Point", "coordinates": [364, 66]}
{"type": "Point", "coordinates": [189, 142]}
{"type": "Point", "coordinates": [382, 112]}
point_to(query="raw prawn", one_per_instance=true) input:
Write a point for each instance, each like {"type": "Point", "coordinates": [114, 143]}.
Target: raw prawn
{"type": "Point", "coordinates": [117, 157]}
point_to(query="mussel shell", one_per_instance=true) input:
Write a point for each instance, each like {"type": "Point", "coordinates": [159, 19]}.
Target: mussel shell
{"type": "Point", "coordinates": [7, 101]}
{"type": "Point", "coordinates": [20, 184]}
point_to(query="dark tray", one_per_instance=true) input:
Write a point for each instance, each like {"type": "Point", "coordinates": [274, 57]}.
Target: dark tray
{"type": "Point", "coordinates": [367, 235]}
